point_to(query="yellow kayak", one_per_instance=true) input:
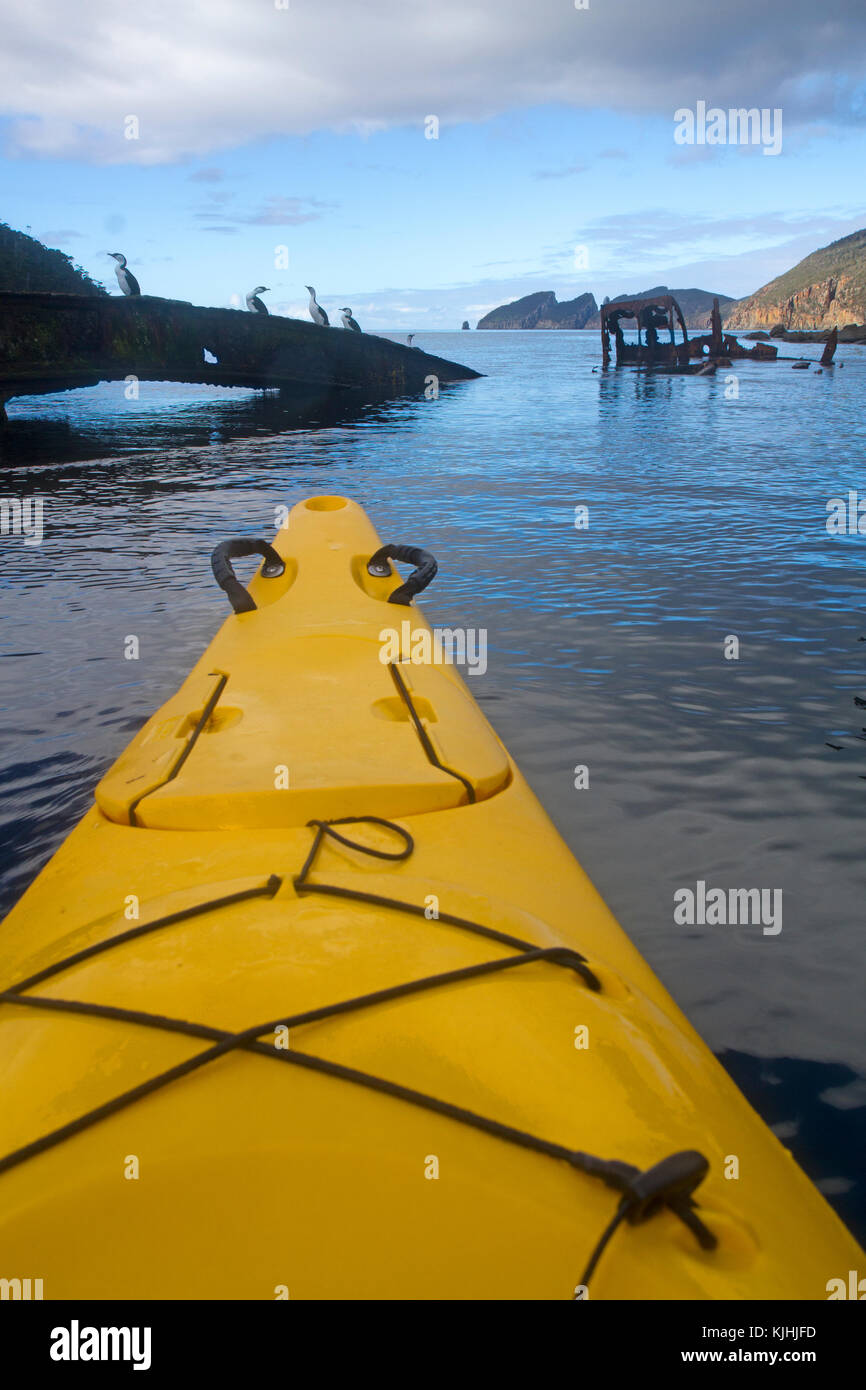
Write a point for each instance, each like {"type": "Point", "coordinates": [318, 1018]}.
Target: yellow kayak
{"type": "Point", "coordinates": [315, 1003]}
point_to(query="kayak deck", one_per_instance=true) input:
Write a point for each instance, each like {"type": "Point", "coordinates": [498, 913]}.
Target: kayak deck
{"type": "Point", "coordinates": [463, 1133]}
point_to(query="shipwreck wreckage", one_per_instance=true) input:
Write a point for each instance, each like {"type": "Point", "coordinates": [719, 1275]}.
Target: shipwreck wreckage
{"type": "Point", "coordinates": [53, 342]}
{"type": "Point", "coordinates": [688, 355]}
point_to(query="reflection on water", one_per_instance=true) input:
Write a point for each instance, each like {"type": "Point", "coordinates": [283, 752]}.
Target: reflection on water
{"type": "Point", "coordinates": [818, 1110]}
{"type": "Point", "coordinates": [605, 645]}
{"type": "Point", "coordinates": [99, 423]}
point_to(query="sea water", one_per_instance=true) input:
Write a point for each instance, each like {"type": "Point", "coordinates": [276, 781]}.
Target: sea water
{"type": "Point", "coordinates": [673, 638]}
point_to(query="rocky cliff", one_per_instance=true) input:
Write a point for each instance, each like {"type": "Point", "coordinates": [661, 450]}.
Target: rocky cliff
{"type": "Point", "coordinates": [542, 310]}
{"type": "Point", "coordinates": [826, 290]}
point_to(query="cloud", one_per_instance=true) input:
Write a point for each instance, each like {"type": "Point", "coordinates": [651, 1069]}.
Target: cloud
{"type": "Point", "coordinates": [287, 212]}
{"type": "Point", "coordinates": [685, 155]}
{"type": "Point", "coordinates": [215, 200]}
{"type": "Point", "coordinates": [276, 211]}
{"type": "Point", "coordinates": [559, 173]}
{"type": "Point", "coordinates": [64, 234]}
{"type": "Point", "coordinates": [423, 309]}
{"type": "Point", "coordinates": [628, 253]}
{"type": "Point", "coordinates": [733, 254]}
{"type": "Point", "coordinates": [625, 235]}
{"type": "Point", "coordinates": [217, 74]}
{"type": "Point", "coordinates": [776, 242]}
{"type": "Point", "coordinates": [209, 175]}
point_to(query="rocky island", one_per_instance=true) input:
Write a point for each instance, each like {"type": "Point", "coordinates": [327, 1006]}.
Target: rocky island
{"type": "Point", "coordinates": [542, 310]}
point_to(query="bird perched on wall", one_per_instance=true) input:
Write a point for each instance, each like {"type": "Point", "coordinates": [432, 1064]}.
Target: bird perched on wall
{"type": "Point", "coordinates": [254, 304]}
{"type": "Point", "coordinates": [125, 278]}
{"type": "Point", "coordinates": [317, 313]}
{"type": "Point", "coordinates": [349, 322]}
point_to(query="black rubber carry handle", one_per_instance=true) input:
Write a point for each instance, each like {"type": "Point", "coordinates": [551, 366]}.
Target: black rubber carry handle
{"type": "Point", "coordinates": [225, 576]}
{"type": "Point", "coordinates": [424, 572]}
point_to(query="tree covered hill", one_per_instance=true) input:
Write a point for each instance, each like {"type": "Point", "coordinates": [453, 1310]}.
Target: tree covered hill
{"type": "Point", "coordinates": [25, 264]}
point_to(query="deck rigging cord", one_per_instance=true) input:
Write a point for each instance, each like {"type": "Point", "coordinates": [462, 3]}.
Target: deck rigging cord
{"type": "Point", "coordinates": [669, 1183]}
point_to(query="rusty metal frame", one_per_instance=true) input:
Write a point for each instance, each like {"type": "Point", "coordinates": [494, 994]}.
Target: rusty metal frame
{"type": "Point", "coordinates": [634, 308]}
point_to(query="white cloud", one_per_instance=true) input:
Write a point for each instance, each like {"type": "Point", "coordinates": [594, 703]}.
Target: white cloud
{"type": "Point", "coordinates": [565, 173]}
{"type": "Point", "coordinates": [630, 253]}
{"type": "Point", "coordinates": [57, 238]}
{"type": "Point", "coordinates": [650, 245]}
{"type": "Point", "coordinates": [209, 175]}
{"type": "Point", "coordinates": [280, 211]}
{"type": "Point", "coordinates": [213, 74]}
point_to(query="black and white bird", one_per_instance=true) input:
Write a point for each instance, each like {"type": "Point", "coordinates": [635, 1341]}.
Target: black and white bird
{"type": "Point", "coordinates": [317, 313]}
{"type": "Point", "coordinates": [409, 339]}
{"type": "Point", "coordinates": [349, 322]}
{"type": "Point", "coordinates": [254, 304]}
{"type": "Point", "coordinates": [125, 278]}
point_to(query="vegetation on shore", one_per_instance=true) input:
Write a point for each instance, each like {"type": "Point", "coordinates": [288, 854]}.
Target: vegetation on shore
{"type": "Point", "coordinates": [27, 265]}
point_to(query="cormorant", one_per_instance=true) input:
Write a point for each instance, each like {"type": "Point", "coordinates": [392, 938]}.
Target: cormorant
{"type": "Point", "coordinates": [254, 304]}
{"type": "Point", "coordinates": [125, 278]}
{"type": "Point", "coordinates": [349, 322]}
{"type": "Point", "coordinates": [317, 313]}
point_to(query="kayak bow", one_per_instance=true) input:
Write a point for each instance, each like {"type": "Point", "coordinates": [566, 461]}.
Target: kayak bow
{"type": "Point", "coordinates": [319, 854]}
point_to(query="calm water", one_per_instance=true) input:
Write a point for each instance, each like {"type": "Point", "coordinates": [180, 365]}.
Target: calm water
{"type": "Point", "coordinates": [706, 519]}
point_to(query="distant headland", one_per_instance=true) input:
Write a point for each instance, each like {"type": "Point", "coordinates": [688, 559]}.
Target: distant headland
{"type": "Point", "coordinates": [543, 310]}
{"type": "Point", "coordinates": [826, 290]}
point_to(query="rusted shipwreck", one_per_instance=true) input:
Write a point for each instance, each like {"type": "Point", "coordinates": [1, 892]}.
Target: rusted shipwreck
{"type": "Point", "coordinates": [55, 342]}
{"type": "Point", "coordinates": [657, 315]}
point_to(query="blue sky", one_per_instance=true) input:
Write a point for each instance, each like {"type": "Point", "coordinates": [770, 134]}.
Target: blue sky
{"type": "Point", "coordinates": [553, 136]}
